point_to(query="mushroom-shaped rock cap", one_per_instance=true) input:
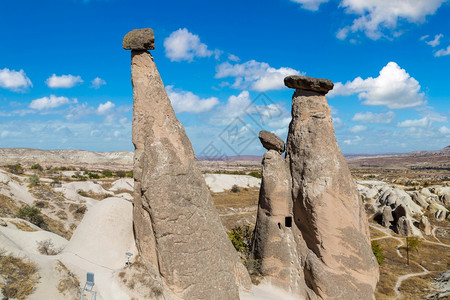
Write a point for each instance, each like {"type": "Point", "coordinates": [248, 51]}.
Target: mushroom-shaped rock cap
{"type": "Point", "coordinates": [308, 83]}
{"type": "Point", "coordinates": [139, 39]}
{"type": "Point", "coordinates": [270, 141]}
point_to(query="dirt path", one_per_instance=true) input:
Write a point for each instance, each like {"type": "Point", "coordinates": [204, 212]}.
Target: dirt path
{"type": "Point", "coordinates": [404, 277]}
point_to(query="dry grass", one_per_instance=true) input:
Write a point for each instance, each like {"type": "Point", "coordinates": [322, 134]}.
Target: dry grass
{"type": "Point", "coordinates": [68, 285]}
{"type": "Point", "coordinates": [57, 226]}
{"type": "Point", "coordinates": [243, 198]}
{"type": "Point", "coordinates": [392, 268]}
{"type": "Point", "coordinates": [138, 277]}
{"type": "Point", "coordinates": [18, 277]}
{"type": "Point", "coordinates": [375, 233]}
{"type": "Point", "coordinates": [94, 196]}
{"type": "Point", "coordinates": [8, 207]}
{"type": "Point", "coordinates": [22, 225]}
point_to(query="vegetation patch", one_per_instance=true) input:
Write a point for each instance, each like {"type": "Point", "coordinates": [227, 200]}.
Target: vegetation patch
{"type": "Point", "coordinates": [22, 225]}
{"type": "Point", "coordinates": [139, 277]}
{"type": "Point", "coordinates": [32, 214]}
{"type": "Point", "coordinates": [68, 285]}
{"type": "Point", "coordinates": [47, 247]}
{"type": "Point", "coordinates": [241, 238]}
{"type": "Point", "coordinates": [18, 276]}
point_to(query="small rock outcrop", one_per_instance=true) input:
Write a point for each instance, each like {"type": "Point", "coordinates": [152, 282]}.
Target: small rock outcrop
{"type": "Point", "coordinates": [271, 141]}
{"type": "Point", "coordinates": [425, 225]}
{"type": "Point", "coordinates": [320, 229]}
{"type": "Point", "coordinates": [386, 217]}
{"type": "Point", "coordinates": [177, 228]}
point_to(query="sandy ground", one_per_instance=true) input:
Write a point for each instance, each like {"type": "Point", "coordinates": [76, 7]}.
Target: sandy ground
{"type": "Point", "coordinates": [218, 183]}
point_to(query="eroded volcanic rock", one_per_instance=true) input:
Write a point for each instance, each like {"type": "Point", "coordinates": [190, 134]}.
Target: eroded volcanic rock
{"type": "Point", "coordinates": [177, 228]}
{"type": "Point", "coordinates": [318, 85]}
{"type": "Point", "coordinates": [339, 263]}
{"type": "Point", "coordinates": [139, 39]}
{"type": "Point", "coordinates": [271, 141]}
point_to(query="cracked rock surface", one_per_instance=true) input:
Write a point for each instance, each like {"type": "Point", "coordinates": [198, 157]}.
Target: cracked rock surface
{"type": "Point", "coordinates": [177, 229]}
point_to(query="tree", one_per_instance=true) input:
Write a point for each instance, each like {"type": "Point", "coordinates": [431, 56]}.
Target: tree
{"type": "Point", "coordinates": [31, 214]}
{"type": "Point", "coordinates": [378, 252]}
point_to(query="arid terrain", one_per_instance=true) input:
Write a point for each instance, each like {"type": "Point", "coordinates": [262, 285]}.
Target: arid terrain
{"type": "Point", "coordinates": [44, 199]}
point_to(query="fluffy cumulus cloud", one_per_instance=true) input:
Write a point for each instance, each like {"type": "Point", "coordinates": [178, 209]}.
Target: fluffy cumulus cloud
{"type": "Point", "coordinates": [97, 82]}
{"type": "Point", "coordinates": [105, 108]}
{"type": "Point", "coordinates": [310, 4]}
{"type": "Point", "coordinates": [183, 45]}
{"type": "Point", "coordinates": [376, 17]}
{"type": "Point", "coordinates": [49, 102]}
{"type": "Point", "coordinates": [394, 88]}
{"type": "Point", "coordinates": [258, 76]}
{"type": "Point", "coordinates": [184, 101]}
{"type": "Point", "coordinates": [63, 81]}
{"type": "Point", "coordinates": [374, 118]}
{"type": "Point", "coordinates": [14, 80]}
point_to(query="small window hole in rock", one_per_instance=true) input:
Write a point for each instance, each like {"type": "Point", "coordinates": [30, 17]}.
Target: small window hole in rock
{"type": "Point", "coordinates": [288, 222]}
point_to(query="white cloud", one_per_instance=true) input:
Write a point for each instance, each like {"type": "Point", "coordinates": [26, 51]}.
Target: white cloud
{"type": "Point", "coordinates": [444, 130]}
{"type": "Point", "coordinates": [183, 45]}
{"type": "Point", "coordinates": [310, 4]}
{"type": "Point", "coordinates": [374, 118]}
{"type": "Point", "coordinates": [63, 81]}
{"type": "Point", "coordinates": [353, 141]}
{"type": "Point", "coordinates": [233, 57]}
{"type": "Point", "coordinates": [338, 123]}
{"type": "Point", "coordinates": [48, 102]}
{"type": "Point", "coordinates": [184, 101]}
{"type": "Point", "coordinates": [394, 88]}
{"type": "Point", "coordinates": [258, 76]}
{"type": "Point", "coordinates": [435, 42]}
{"type": "Point", "coordinates": [358, 128]}
{"type": "Point", "coordinates": [97, 83]}
{"type": "Point", "coordinates": [376, 17]}
{"type": "Point", "coordinates": [424, 122]}
{"type": "Point", "coordinates": [105, 108]}
{"type": "Point", "coordinates": [14, 80]}
{"type": "Point", "coordinates": [442, 52]}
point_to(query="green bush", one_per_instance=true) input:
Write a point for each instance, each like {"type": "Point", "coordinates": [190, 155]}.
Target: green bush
{"type": "Point", "coordinates": [37, 167]}
{"type": "Point", "coordinates": [255, 174]}
{"type": "Point", "coordinates": [130, 174]}
{"type": "Point", "coordinates": [32, 214]}
{"type": "Point", "coordinates": [121, 174]}
{"type": "Point", "coordinates": [34, 180]}
{"type": "Point", "coordinates": [15, 169]}
{"type": "Point", "coordinates": [241, 238]}
{"type": "Point", "coordinates": [107, 173]}
{"type": "Point", "coordinates": [378, 252]}
{"type": "Point", "coordinates": [235, 188]}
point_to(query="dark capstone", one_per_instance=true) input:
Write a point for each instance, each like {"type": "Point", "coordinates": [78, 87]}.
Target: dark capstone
{"type": "Point", "coordinates": [319, 85]}
{"type": "Point", "coordinates": [139, 39]}
{"type": "Point", "coordinates": [270, 141]}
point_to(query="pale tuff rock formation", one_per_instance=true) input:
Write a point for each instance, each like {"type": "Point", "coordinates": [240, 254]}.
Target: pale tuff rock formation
{"type": "Point", "coordinates": [177, 229]}
{"type": "Point", "coordinates": [324, 224]}
{"type": "Point", "coordinates": [270, 141]}
{"type": "Point", "coordinates": [274, 242]}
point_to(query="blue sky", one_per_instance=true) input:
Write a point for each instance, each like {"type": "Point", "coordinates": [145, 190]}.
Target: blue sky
{"type": "Point", "coordinates": [65, 79]}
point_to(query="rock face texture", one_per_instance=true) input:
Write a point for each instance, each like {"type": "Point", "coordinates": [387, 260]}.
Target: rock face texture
{"type": "Point", "coordinates": [177, 229]}
{"type": "Point", "coordinates": [328, 232]}
{"type": "Point", "coordinates": [271, 142]}
{"type": "Point", "coordinates": [139, 39]}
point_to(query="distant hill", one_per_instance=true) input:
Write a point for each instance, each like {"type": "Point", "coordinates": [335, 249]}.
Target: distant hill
{"type": "Point", "coordinates": [28, 155]}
